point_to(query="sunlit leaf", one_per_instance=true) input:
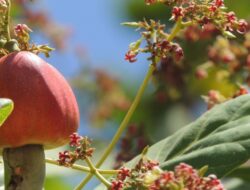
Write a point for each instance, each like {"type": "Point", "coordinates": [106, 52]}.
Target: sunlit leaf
{"type": "Point", "coordinates": [6, 107]}
{"type": "Point", "coordinates": [220, 139]}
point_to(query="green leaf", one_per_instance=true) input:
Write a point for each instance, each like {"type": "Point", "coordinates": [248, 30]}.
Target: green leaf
{"type": "Point", "coordinates": [6, 107]}
{"type": "Point", "coordinates": [220, 139]}
{"type": "Point", "coordinates": [228, 34]}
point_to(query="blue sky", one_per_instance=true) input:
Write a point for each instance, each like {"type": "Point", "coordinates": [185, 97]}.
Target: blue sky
{"type": "Point", "coordinates": [96, 26]}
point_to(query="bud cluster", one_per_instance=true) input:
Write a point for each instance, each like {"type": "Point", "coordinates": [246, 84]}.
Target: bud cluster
{"type": "Point", "coordinates": [194, 33]}
{"type": "Point", "coordinates": [22, 32]}
{"type": "Point", "coordinates": [230, 56]}
{"type": "Point", "coordinates": [205, 12]}
{"type": "Point", "coordinates": [149, 176]}
{"type": "Point", "coordinates": [201, 20]}
{"type": "Point", "coordinates": [82, 150]}
{"type": "Point", "coordinates": [156, 43]}
{"type": "Point", "coordinates": [40, 19]}
{"type": "Point", "coordinates": [133, 178]}
{"type": "Point", "coordinates": [215, 97]}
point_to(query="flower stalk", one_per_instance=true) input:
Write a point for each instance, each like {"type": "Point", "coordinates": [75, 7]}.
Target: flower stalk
{"type": "Point", "coordinates": [132, 109]}
{"type": "Point", "coordinates": [82, 168]}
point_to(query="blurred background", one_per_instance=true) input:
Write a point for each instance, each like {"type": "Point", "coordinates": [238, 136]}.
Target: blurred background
{"type": "Point", "coordinates": [90, 46]}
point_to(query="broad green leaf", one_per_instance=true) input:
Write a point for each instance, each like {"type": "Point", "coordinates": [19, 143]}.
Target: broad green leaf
{"type": "Point", "coordinates": [6, 107]}
{"type": "Point", "coordinates": [220, 139]}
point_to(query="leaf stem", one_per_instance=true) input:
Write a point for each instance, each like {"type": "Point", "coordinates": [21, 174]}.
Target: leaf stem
{"type": "Point", "coordinates": [95, 172]}
{"type": "Point", "coordinates": [128, 116]}
{"type": "Point", "coordinates": [74, 166]}
{"type": "Point", "coordinates": [175, 30]}
{"type": "Point", "coordinates": [137, 99]}
{"type": "Point", "coordinates": [82, 168]}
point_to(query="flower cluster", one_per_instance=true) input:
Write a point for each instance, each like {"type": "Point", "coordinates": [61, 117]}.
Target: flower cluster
{"type": "Point", "coordinates": [81, 150]}
{"type": "Point", "coordinates": [157, 43]}
{"type": "Point", "coordinates": [187, 177]}
{"type": "Point", "coordinates": [224, 52]}
{"type": "Point", "coordinates": [36, 18]}
{"type": "Point", "coordinates": [22, 32]}
{"type": "Point", "coordinates": [206, 12]}
{"type": "Point", "coordinates": [75, 140]}
{"type": "Point", "coordinates": [230, 56]}
{"type": "Point", "coordinates": [167, 49]}
{"type": "Point", "coordinates": [209, 14]}
{"type": "Point", "coordinates": [133, 178]}
{"type": "Point", "coordinates": [198, 20]}
{"type": "Point", "coordinates": [194, 33]}
{"type": "Point", "coordinates": [149, 176]}
{"type": "Point", "coordinates": [130, 56]}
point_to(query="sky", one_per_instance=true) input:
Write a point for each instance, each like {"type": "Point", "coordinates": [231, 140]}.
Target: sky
{"type": "Point", "coordinates": [95, 24]}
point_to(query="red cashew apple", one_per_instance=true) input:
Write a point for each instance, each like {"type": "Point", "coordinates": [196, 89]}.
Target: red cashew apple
{"type": "Point", "coordinates": [45, 114]}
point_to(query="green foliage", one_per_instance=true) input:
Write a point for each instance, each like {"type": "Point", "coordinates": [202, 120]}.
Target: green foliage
{"type": "Point", "coordinates": [6, 107]}
{"type": "Point", "coordinates": [220, 139]}
{"type": "Point", "coordinates": [138, 10]}
{"type": "Point", "coordinates": [52, 183]}
{"type": "Point", "coordinates": [240, 7]}
{"type": "Point", "coordinates": [242, 173]}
